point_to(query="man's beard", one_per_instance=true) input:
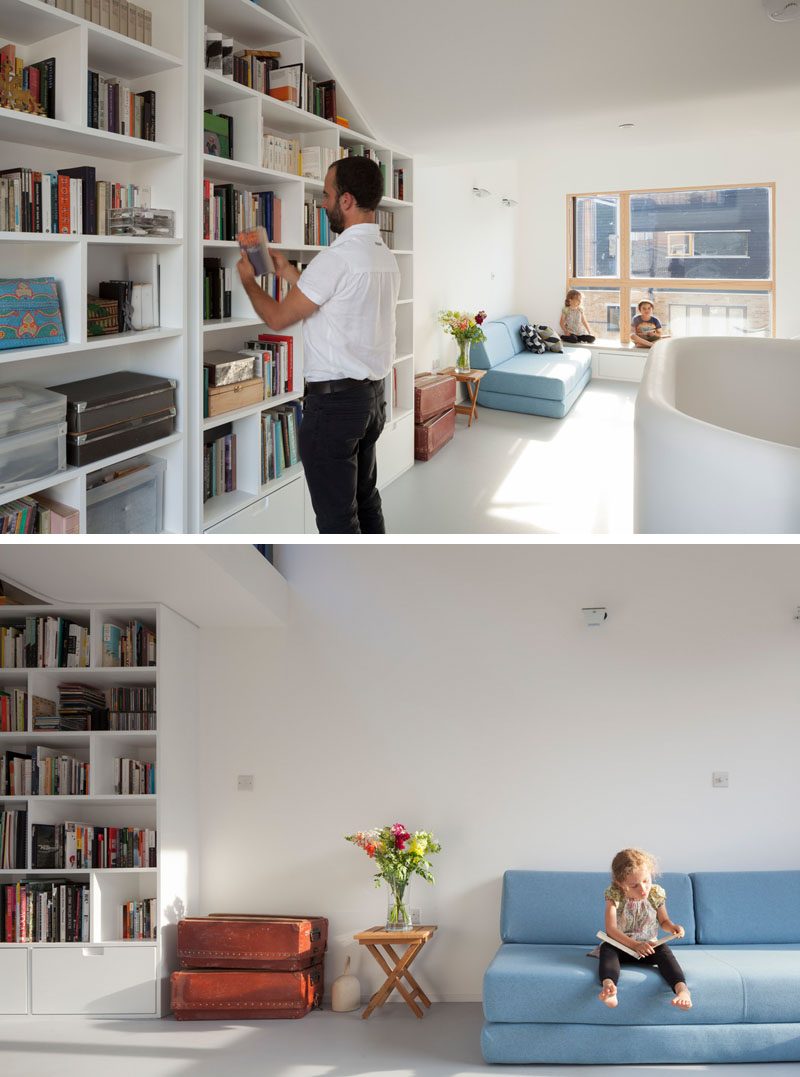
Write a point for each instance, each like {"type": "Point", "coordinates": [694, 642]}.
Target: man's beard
{"type": "Point", "coordinates": [335, 219]}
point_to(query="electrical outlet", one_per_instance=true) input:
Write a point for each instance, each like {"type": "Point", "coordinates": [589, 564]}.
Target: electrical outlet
{"type": "Point", "coordinates": [719, 779]}
{"type": "Point", "coordinates": [244, 783]}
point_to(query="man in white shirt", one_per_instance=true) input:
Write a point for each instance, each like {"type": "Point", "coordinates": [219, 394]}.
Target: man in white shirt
{"type": "Point", "coordinates": [346, 299]}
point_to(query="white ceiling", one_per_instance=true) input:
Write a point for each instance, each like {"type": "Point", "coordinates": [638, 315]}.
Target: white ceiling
{"type": "Point", "coordinates": [214, 586]}
{"type": "Point", "coordinates": [473, 78]}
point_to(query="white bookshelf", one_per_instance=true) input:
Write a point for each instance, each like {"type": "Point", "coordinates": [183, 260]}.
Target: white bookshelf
{"type": "Point", "coordinates": [174, 167]}
{"type": "Point", "coordinates": [79, 262]}
{"type": "Point", "coordinates": [108, 975]}
{"type": "Point", "coordinates": [281, 506]}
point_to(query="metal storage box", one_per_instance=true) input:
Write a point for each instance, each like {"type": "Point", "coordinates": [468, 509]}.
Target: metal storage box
{"type": "Point", "coordinates": [226, 368]}
{"type": "Point", "coordinates": [32, 454]}
{"type": "Point", "coordinates": [23, 407]}
{"type": "Point", "coordinates": [127, 499]}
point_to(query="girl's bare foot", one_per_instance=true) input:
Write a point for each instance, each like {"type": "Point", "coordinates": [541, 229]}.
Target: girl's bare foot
{"type": "Point", "coordinates": [609, 993]}
{"type": "Point", "coordinates": [683, 1000]}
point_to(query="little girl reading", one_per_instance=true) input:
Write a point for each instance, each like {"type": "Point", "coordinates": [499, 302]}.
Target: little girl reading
{"type": "Point", "coordinates": [634, 910]}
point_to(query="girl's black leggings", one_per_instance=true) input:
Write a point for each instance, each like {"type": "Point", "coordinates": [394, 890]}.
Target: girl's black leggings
{"type": "Point", "coordinates": [663, 958]}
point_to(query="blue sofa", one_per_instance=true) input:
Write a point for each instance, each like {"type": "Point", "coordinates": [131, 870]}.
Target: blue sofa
{"type": "Point", "coordinates": [519, 380]}
{"type": "Point", "coordinates": [741, 956]}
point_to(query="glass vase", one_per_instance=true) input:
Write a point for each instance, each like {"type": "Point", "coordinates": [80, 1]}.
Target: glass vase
{"type": "Point", "coordinates": [398, 912]}
{"type": "Point", "coordinates": [462, 362]}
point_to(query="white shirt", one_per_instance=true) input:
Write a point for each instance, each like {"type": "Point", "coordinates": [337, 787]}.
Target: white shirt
{"type": "Point", "coordinates": [355, 283]}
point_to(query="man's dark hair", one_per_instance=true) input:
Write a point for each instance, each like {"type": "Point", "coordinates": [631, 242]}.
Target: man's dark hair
{"type": "Point", "coordinates": [361, 178]}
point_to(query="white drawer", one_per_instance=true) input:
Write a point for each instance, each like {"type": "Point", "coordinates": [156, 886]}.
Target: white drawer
{"type": "Point", "coordinates": [93, 979]}
{"type": "Point", "coordinates": [13, 979]}
{"type": "Point", "coordinates": [395, 449]}
{"type": "Point", "coordinates": [280, 513]}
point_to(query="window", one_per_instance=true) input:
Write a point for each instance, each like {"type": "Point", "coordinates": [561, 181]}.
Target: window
{"type": "Point", "coordinates": [665, 246]}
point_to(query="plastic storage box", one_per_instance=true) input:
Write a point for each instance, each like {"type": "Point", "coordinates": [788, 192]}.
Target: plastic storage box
{"type": "Point", "coordinates": [33, 433]}
{"type": "Point", "coordinates": [127, 499]}
{"type": "Point", "coordinates": [141, 221]}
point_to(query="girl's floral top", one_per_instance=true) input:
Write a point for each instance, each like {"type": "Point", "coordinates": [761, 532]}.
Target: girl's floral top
{"type": "Point", "coordinates": [637, 919]}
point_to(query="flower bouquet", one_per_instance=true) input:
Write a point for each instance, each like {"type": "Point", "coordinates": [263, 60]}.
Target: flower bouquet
{"type": "Point", "coordinates": [399, 855]}
{"type": "Point", "coordinates": [465, 328]}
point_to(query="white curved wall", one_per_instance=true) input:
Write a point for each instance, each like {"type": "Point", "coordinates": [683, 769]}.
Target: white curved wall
{"type": "Point", "coordinates": [717, 438]}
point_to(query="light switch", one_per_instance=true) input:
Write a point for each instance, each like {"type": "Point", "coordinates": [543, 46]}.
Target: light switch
{"type": "Point", "coordinates": [244, 783]}
{"type": "Point", "coordinates": [719, 779]}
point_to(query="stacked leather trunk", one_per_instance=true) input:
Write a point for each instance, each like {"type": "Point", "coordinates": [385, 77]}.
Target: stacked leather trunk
{"type": "Point", "coordinates": [434, 415]}
{"type": "Point", "coordinates": [249, 967]}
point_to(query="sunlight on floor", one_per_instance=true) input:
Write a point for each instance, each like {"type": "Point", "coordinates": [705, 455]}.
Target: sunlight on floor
{"type": "Point", "coordinates": [580, 480]}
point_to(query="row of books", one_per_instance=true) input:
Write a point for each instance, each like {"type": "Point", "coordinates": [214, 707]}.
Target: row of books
{"type": "Point", "coordinates": [85, 707]}
{"type": "Point", "coordinates": [134, 776]}
{"type": "Point", "coordinates": [279, 445]}
{"type": "Point", "coordinates": [316, 230]}
{"type": "Point", "coordinates": [131, 645]}
{"type": "Point", "coordinates": [121, 16]}
{"type": "Point", "coordinates": [80, 707]}
{"type": "Point", "coordinates": [44, 910]}
{"type": "Point", "coordinates": [79, 846]}
{"type": "Point", "coordinates": [281, 154]}
{"type": "Point", "coordinates": [219, 462]}
{"type": "Point", "coordinates": [249, 67]}
{"type": "Point", "coordinates": [38, 79]}
{"type": "Point", "coordinates": [228, 211]}
{"type": "Point", "coordinates": [44, 643]}
{"type": "Point", "coordinates": [139, 919]}
{"type": "Point", "coordinates": [217, 289]}
{"type": "Point", "coordinates": [274, 362]}
{"type": "Point", "coordinates": [44, 773]}
{"type": "Point", "coordinates": [316, 160]}
{"type": "Point", "coordinates": [113, 106]}
{"type": "Point", "coordinates": [69, 201]}
{"type": "Point", "coordinates": [38, 515]}
{"type": "Point", "coordinates": [13, 837]}
{"type": "Point", "coordinates": [13, 708]}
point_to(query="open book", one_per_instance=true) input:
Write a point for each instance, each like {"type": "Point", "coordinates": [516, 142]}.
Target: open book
{"type": "Point", "coordinates": [627, 949]}
{"type": "Point", "coordinates": [255, 245]}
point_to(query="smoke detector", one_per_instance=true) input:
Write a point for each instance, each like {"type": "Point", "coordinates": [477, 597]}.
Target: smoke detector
{"type": "Point", "coordinates": [782, 11]}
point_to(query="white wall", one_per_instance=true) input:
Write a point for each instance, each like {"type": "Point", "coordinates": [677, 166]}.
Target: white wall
{"type": "Point", "coordinates": [456, 688]}
{"type": "Point", "coordinates": [621, 162]}
{"type": "Point", "coordinates": [464, 249]}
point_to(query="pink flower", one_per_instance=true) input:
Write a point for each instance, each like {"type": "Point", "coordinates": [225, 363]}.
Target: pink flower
{"type": "Point", "coordinates": [398, 828]}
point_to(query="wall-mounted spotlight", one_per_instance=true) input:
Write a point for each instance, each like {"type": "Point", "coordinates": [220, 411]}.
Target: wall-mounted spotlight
{"type": "Point", "coordinates": [481, 192]}
{"type": "Point", "coordinates": [508, 202]}
{"type": "Point", "coordinates": [594, 615]}
{"type": "Point", "coordinates": [781, 11]}
{"type": "Point", "coordinates": [797, 613]}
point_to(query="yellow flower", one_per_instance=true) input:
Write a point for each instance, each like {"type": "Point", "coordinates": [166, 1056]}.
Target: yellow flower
{"type": "Point", "coordinates": [418, 845]}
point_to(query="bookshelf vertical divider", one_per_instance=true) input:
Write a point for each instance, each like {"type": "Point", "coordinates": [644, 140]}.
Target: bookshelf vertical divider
{"type": "Point", "coordinates": [106, 975]}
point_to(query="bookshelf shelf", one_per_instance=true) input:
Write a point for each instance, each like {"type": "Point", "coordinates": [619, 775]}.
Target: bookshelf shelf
{"type": "Point", "coordinates": [222, 506]}
{"type": "Point", "coordinates": [224, 170]}
{"type": "Point", "coordinates": [129, 59]}
{"type": "Point", "coordinates": [50, 134]}
{"type": "Point", "coordinates": [251, 409]}
{"type": "Point", "coordinates": [231, 323]}
{"type": "Point", "coordinates": [252, 24]}
{"type": "Point", "coordinates": [171, 812]}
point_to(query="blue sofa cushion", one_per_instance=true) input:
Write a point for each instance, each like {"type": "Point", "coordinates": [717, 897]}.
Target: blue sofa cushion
{"type": "Point", "coordinates": [551, 376]}
{"type": "Point", "coordinates": [560, 983]}
{"type": "Point", "coordinates": [747, 906]}
{"type": "Point", "coordinates": [568, 906]}
{"type": "Point", "coordinates": [770, 976]}
{"type": "Point", "coordinates": [497, 348]}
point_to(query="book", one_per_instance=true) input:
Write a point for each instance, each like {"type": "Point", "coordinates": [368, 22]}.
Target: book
{"type": "Point", "coordinates": [217, 134]}
{"type": "Point", "coordinates": [285, 83]}
{"type": "Point", "coordinates": [627, 949]}
{"type": "Point", "coordinates": [255, 244]}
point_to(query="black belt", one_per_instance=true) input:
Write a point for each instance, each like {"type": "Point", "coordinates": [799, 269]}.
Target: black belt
{"type": "Point", "coordinates": [337, 386]}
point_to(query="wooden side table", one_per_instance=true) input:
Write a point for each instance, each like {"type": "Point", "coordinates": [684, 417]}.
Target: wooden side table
{"type": "Point", "coordinates": [396, 966]}
{"type": "Point", "coordinates": [472, 380]}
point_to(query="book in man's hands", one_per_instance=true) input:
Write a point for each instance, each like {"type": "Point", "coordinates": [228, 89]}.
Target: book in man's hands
{"type": "Point", "coordinates": [255, 245]}
{"type": "Point", "coordinates": [627, 949]}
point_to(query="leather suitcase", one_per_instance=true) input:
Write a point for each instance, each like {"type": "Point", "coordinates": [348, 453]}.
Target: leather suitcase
{"type": "Point", "coordinates": [433, 394]}
{"type": "Point", "coordinates": [231, 941]}
{"type": "Point", "coordinates": [245, 994]}
{"type": "Point", "coordinates": [430, 436]}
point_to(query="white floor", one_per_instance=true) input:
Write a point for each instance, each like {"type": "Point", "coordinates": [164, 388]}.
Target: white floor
{"type": "Point", "coordinates": [526, 474]}
{"type": "Point", "coordinates": [391, 1043]}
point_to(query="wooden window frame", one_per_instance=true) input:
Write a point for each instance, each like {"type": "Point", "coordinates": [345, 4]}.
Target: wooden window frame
{"type": "Point", "coordinates": [625, 284]}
